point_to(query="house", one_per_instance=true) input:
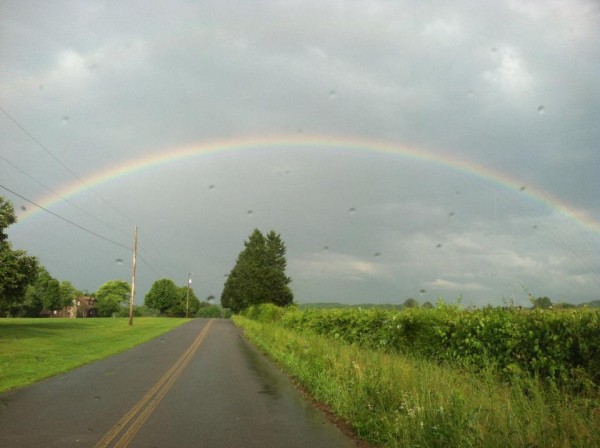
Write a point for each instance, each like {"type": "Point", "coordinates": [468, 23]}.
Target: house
{"type": "Point", "coordinates": [84, 306]}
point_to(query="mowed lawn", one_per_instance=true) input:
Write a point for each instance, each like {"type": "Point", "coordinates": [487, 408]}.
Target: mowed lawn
{"type": "Point", "coordinates": [34, 349]}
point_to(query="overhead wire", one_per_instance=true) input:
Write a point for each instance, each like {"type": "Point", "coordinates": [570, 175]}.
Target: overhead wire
{"type": "Point", "coordinates": [61, 163]}
{"type": "Point", "coordinates": [79, 226]}
{"type": "Point", "coordinates": [88, 187]}
{"type": "Point", "coordinates": [71, 203]}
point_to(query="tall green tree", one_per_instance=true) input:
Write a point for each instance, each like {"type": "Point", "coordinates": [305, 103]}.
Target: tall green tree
{"type": "Point", "coordinates": [17, 269]}
{"type": "Point", "coordinates": [163, 295]}
{"type": "Point", "coordinates": [45, 292]}
{"type": "Point", "coordinates": [47, 289]}
{"type": "Point", "coordinates": [112, 296]}
{"type": "Point", "coordinates": [179, 309]}
{"type": "Point", "coordinates": [542, 302]}
{"type": "Point", "coordinates": [411, 303]}
{"type": "Point", "coordinates": [171, 300]}
{"type": "Point", "coordinates": [259, 274]}
{"type": "Point", "coordinates": [31, 306]}
{"type": "Point", "coordinates": [68, 293]}
{"type": "Point", "coordinates": [7, 217]}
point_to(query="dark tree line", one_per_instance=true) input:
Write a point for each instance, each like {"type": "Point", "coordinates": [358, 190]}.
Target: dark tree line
{"type": "Point", "coordinates": [259, 274]}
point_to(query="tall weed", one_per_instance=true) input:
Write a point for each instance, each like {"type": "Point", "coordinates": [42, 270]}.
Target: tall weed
{"type": "Point", "coordinates": [397, 400]}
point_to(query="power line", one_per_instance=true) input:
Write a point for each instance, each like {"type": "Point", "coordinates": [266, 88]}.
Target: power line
{"type": "Point", "coordinates": [47, 150]}
{"type": "Point", "coordinates": [147, 264]}
{"type": "Point", "coordinates": [143, 240]}
{"type": "Point", "coordinates": [51, 154]}
{"type": "Point", "coordinates": [91, 232]}
{"type": "Point", "coordinates": [79, 226]}
{"type": "Point", "coordinates": [59, 195]}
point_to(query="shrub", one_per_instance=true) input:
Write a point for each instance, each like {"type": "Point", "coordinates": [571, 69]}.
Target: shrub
{"type": "Point", "coordinates": [558, 345]}
{"type": "Point", "coordinates": [212, 311]}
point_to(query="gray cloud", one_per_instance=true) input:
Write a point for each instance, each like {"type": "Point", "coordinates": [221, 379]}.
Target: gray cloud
{"type": "Point", "coordinates": [510, 87]}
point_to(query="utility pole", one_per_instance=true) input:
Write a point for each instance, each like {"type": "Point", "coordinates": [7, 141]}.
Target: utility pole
{"type": "Point", "coordinates": [187, 302]}
{"type": "Point", "coordinates": [133, 279]}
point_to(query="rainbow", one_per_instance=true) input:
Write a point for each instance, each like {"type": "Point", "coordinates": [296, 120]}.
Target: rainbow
{"type": "Point", "coordinates": [172, 155]}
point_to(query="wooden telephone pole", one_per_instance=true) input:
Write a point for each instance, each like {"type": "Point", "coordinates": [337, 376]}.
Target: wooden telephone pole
{"type": "Point", "coordinates": [187, 301]}
{"type": "Point", "coordinates": [133, 279]}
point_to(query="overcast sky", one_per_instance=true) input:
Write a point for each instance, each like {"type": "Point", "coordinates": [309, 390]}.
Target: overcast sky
{"type": "Point", "coordinates": [505, 95]}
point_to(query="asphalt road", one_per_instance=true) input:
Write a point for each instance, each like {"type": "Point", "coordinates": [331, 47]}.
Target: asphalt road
{"type": "Point", "coordinates": [200, 385]}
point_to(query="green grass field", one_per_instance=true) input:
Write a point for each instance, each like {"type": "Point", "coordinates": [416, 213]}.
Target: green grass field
{"type": "Point", "coordinates": [34, 349]}
{"type": "Point", "coordinates": [395, 400]}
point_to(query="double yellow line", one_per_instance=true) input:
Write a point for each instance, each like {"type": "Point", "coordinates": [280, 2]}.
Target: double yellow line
{"type": "Point", "coordinates": [131, 422]}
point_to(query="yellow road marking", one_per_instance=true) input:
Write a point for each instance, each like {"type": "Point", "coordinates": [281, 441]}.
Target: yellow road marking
{"type": "Point", "coordinates": [144, 408]}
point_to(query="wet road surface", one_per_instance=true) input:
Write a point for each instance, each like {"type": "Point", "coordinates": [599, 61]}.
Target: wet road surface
{"type": "Point", "coordinates": [200, 385]}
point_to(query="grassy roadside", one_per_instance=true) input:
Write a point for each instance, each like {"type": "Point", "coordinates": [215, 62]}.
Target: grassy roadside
{"type": "Point", "coordinates": [395, 401]}
{"type": "Point", "coordinates": [34, 349]}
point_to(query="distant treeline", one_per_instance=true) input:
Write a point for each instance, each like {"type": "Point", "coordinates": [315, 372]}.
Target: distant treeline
{"type": "Point", "coordinates": [389, 306]}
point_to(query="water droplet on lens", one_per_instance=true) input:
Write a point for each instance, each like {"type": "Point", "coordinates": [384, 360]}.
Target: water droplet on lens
{"type": "Point", "coordinates": [535, 226]}
{"type": "Point", "coordinates": [352, 210]}
{"type": "Point", "coordinates": [23, 208]}
{"type": "Point", "coordinates": [522, 188]}
{"type": "Point", "coordinates": [439, 245]}
{"type": "Point", "coordinates": [211, 187]}
{"type": "Point", "coordinates": [119, 261]}
{"type": "Point", "coordinates": [451, 214]}
{"type": "Point", "coordinates": [249, 212]}
{"type": "Point", "coordinates": [541, 109]}
{"type": "Point", "coordinates": [325, 247]}
{"type": "Point", "coordinates": [421, 291]}
{"type": "Point", "coordinates": [65, 120]}
{"type": "Point", "coordinates": [377, 254]}
{"type": "Point", "coordinates": [332, 94]}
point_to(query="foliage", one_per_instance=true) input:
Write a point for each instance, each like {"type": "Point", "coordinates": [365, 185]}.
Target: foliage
{"type": "Point", "coordinates": [7, 217]}
{"type": "Point", "coordinates": [541, 302]}
{"type": "Point", "coordinates": [394, 400]}
{"type": "Point", "coordinates": [411, 303]}
{"type": "Point", "coordinates": [266, 312]}
{"type": "Point", "coordinates": [45, 292]}
{"type": "Point", "coordinates": [144, 311]}
{"type": "Point", "coordinates": [31, 306]}
{"type": "Point", "coordinates": [112, 296]}
{"type": "Point", "coordinates": [17, 269]}
{"type": "Point", "coordinates": [162, 295]}
{"type": "Point", "coordinates": [212, 311]}
{"type": "Point", "coordinates": [187, 305]}
{"type": "Point", "coordinates": [562, 346]}
{"type": "Point", "coordinates": [335, 305]}
{"type": "Point", "coordinates": [68, 293]}
{"type": "Point", "coordinates": [259, 274]}
{"type": "Point", "coordinates": [170, 300]}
